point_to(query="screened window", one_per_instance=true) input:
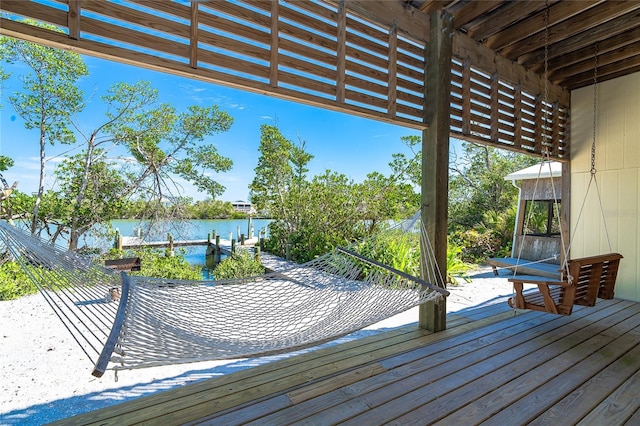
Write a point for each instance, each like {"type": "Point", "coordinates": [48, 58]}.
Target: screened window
{"type": "Point", "coordinates": [541, 218]}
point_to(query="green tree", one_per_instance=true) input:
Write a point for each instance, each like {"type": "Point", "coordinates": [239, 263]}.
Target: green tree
{"type": "Point", "coordinates": [395, 196]}
{"type": "Point", "coordinates": [280, 174]}
{"type": "Point", "coordinates": [314, 215]}
{"type": "Point", "coordinates": [5, 163]}
{"type": "Point", "coordinates": [240, 264]}
{"type": "Point", "coordinates": [481, 202]}
{"type": "Point", "coordinates": [49, 97]}
{"type": "Point", "coordinates": [166, 143]}
{"type": "Point", "coordinates": [163, 142]}
{"type": "Point", "coordinates": [211, 209]}
{"type": "Point", "coordinates": [328, 215]}
{"type": "Point", "coordinates": [90, 192]}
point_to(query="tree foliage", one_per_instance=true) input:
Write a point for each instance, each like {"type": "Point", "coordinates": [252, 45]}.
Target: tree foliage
{"type": "Point", "coordinates": [163, 142]}
{"type": "Point", "coordinates": [89, 193]}
{"type": "Point", "coordinates": [142, 149]}
{"type": "Point", "coordinates": [213, 209]}
{"type": "Point", "coordinates": [314, 214]}
{"type": "Point", "coordinates": [154, 263]}
{"type": "Point", "coordinates": [481, 203]}
{"type": "Point", "coordinates": [14, 281]}
{"type": "Point", "coordinates": [49, 97]}
{"type": "Point", "coordinates": [5, 163]}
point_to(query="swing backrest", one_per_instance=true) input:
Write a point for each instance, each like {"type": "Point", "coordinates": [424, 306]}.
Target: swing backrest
{"type": "Point", "coordinates": [593, 277]}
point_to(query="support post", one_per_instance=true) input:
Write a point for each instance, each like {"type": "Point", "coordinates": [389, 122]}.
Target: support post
{"type": "Point", "coordinates": [118, 240]}
{"type": "Point", "coordinates": [218, 252]}
{"type": "Point", "coordinates": [435, 159]}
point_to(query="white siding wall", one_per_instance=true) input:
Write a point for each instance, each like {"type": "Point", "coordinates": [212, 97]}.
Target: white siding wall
{"type": "Point", "coordinates": [618, 177]}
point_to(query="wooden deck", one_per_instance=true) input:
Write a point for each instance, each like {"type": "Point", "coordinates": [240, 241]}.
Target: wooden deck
{"type": "Point", "coordinates": [491, 365]}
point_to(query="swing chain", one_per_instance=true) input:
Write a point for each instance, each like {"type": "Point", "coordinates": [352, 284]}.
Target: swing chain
{"type": "Point", "coordinates": [595, 111]}
{"type": "Point", "coordinates": [545, 101]}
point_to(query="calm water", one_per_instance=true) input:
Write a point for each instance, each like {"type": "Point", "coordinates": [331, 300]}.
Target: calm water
{"type": "Point", "coordinates": [189, 230]}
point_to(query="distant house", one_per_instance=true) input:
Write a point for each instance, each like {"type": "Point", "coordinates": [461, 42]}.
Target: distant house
{"type": "Point", "coordinates": [243, 207]}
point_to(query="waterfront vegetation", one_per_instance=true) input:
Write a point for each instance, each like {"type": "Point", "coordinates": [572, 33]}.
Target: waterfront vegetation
{"type": "Point", "coordinates": [156, 263]}
{"type": "Point", "coordinates": [126, 167]}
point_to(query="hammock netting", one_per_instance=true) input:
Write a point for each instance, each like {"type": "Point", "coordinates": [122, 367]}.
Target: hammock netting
{"type": "Point", "coordinates": [163, 321]}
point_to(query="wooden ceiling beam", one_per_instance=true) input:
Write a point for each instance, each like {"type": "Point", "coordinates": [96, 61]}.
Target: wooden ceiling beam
{"type": "Point", "coordinates": [616, 42]}
{"type": "Point", "coordinates": [528, 34]}
{"type": "Point", "coordinates": [503, 18]}
{"type": "Point", "coordinates": [629, 21]}
{"type": "Point", "coordinates": [605, 73]}
{"type": "Point", "coordinates": [579, 25]}
{"type": "Point", "coordinates": [470, 11]}
{"type": "Point", "coordinates": [587, 65]}
{"type": "Point", "coordinates": [431, 5]}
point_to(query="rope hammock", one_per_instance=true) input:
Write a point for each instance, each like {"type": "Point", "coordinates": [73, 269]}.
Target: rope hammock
{"type": "Point", "coordinates": [126, 322]}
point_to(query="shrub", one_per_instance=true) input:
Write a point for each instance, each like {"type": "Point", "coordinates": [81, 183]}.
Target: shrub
{"type": "Point", "coordinates": [239, 265]}
{"type": "Point", "coordinates": [401, 250]}
{"type": "Point", "coordinates": [14, 282]}
{"type": "Point", "coordinates": [456, 267]}
{"type": "Point", "coordinates": [155, 263]}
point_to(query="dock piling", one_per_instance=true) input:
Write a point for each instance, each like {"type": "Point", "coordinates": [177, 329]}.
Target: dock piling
{"type": "Point", "coordinates": [170, 252]}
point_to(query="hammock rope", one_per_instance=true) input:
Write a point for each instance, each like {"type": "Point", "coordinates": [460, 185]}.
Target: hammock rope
{"type": "Point", "coordinates": [162, 321]}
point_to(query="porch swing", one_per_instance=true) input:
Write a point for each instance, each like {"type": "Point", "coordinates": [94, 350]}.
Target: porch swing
{"type": "Point", "coordinates": [581, 281]}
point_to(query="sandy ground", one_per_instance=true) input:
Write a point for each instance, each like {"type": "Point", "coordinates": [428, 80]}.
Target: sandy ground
{"type": "Point", "coordinates": [44, 376]}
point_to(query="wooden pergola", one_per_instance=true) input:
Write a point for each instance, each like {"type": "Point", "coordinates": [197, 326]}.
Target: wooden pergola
{"type": "Point", "coordinates": [492, 72]}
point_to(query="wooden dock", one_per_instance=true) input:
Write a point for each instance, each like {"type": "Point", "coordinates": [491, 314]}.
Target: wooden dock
{"type": "Point", "coordinates": [135, 242]}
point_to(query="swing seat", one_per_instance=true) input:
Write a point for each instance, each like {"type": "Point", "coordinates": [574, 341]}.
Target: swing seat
{"type": "Point", "coordinates": [589, 278]}
{"type": "Point", "coordinates": [523, 266]}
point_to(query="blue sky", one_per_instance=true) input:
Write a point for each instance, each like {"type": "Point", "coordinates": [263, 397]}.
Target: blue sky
{"type": "Point", "coordinates": [342, 143]}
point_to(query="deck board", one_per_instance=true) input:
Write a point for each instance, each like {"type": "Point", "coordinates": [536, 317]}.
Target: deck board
{"type": "Point", "coordinates": [478, 400]}
{"type": "Point", "coordinates": [591, 393]}
{"type": "Point", "coordinates": [520, 379]}
{"type": "Point", "coordinates": [492, 365]}
{"type": "Point", "coordinates": [575, 367]}
{"type": "Point", "coordinates": [619, 406]}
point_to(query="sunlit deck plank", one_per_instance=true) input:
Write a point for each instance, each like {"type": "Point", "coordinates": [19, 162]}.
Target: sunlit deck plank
{"type": "Point", "coordinates": [396, 368]}
{"type": "Point", "coordinates": [593, 392]}
{"type": "Point", "coordinates": [506, 367]}
{"type": "Point", "coordinates": [441, 390]}
{"type": "Point", "coordinates": [547, 357]}
{"type": "Point", "coordinates": [621, 407]}
{"type": "Point", "coordinates": [258, 387]}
